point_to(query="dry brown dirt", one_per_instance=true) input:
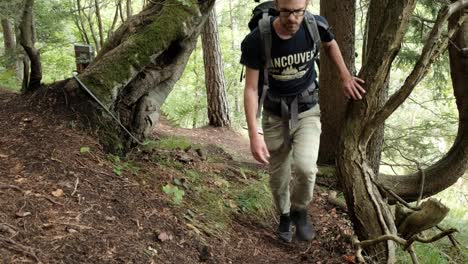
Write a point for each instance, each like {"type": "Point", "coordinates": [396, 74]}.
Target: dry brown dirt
{"type": "Point", "coordinates": [60, 203]}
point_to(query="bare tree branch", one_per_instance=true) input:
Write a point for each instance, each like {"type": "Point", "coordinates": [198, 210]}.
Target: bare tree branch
{"type": "Point", "coordinates": [433, 47]}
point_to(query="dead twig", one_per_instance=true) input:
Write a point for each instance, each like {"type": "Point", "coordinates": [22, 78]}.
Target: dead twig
{"type": "Point", "coordinates": [6, 228]}
{"type": "Point", "coordinates": [407, 244]}
{"type": "Point", "coordinates": [83, 227]}
{"type": "Point", "coordinates": [421, 189]}
{"type": "Point", "coordinates": [10, 244]}
{"type": "Point", "coordinates": [398, 198]}
{"type": "Point", "coordinates": [76, 186]}
{"type": "Point", "coordinates": [436, 237]}
{"type": "Point", "coordinates": [14, 187]}
{"type": "Point", "coordinates": [454, 241]}
{"type": "Point", "coordinates": [413, 255]}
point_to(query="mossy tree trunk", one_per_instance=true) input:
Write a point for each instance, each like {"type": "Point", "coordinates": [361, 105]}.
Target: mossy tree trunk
{"type": "Point", "coordinates": [137, 68]}
{"type": "Point", "coordinates": [367, 208]}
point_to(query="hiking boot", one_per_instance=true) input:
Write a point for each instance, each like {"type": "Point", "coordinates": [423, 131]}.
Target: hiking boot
{"type": "Point", "coordinates": [304, 229]}
{"type": "Point", "coordinates": [285, 229]}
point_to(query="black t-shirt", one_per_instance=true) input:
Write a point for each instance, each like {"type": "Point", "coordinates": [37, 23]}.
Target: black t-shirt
{"type": "Point", "coordinates": [292, 59]}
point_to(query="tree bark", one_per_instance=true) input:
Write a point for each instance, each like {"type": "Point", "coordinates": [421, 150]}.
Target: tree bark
{"type": "Point", "coordinates": [10, 44]}
{"type": "Point", "coordinates": [79, 22]}
{"type": "Point", "coordinates": [129, 8]}
{"type": "Point", "coordinates": [218, 110]}
{"type": "Point", "coordinates": [139, 65]}
{"type": "Point", "coordinates": [27, 40]}
{"type": "Point", "coordinates": [99, 22]}
{"type": "Point", "coordinates": [341, 16]}
{"type": "Point", "coordinates": [93, 32]}
{"type": "Point", "coordinates": [368, 210]}
{"type": "Point", "coordinates": [373, 22]}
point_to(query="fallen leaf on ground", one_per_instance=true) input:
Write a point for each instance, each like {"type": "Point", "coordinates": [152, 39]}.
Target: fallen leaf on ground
{"type": "Point", "coordinates": [164, 237]}
{"type": "Point", "coordinates": [350, 258]}
{"type": "Point", "coordinates": [57, 193]}
{"type": "Point", "coordinates": [23, 214]}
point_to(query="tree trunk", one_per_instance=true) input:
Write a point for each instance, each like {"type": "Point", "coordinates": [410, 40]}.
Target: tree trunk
{"type": "Point", "coordinates": [79, 22]}
{"type": "Point", "coordinates": [93, 32]}
{"type": "Point", "coordinates": [218, 110]}
{"type": "Point", "coordinates": [139, 65]}
{"type": "Point", "coordinates": [373, 22]}
{"type": "Point", "coordinates": [27, 40]}
{"type": "Point", "coordinates": [368, 211]}
{"type": "Point", "coordinates": [341, 16]}
{"type": "Point", "coordinates": [99, 21]}
{"type": "Point", "coordinates": [129, 8]}
{"type": "Point", "coordinates": [454, 164]}
{"type": "Point", "coordinates": [10, 44]}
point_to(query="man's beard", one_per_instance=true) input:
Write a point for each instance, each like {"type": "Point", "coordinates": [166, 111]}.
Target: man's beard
{"type": "Point", "coordinates": [291, 27]}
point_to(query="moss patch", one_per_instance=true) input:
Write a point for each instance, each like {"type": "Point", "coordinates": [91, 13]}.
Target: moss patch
{"type": "Point", "coordinates": [117, 67]}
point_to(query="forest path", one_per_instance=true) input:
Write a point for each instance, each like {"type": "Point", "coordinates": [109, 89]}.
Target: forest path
{"type": "Point", "coordinates": [63, 200]}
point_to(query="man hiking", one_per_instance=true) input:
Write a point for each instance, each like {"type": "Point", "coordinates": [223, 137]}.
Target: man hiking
{"type": "Point", "coordinates": [291, 115]}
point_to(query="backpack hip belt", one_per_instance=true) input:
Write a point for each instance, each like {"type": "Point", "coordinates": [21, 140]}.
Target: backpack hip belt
{"type": "Point", "coordinates": [290, 109]}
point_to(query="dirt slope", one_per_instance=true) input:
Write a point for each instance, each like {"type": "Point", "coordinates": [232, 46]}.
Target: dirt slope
{"type": "Point", "coordinates": [63, 200]}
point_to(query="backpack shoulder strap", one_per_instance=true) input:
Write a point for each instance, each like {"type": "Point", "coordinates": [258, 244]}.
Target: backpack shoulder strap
{"type": "Point", "coordinates": [264, 26]}
{"type": "Point", "coordinates": [311, 25]}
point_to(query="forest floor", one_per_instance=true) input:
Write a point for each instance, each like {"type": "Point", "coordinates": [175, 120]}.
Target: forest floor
{"type": "Point", "coordinates": [64, 200]}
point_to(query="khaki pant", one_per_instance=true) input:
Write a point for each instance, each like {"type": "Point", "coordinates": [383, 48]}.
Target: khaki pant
{"type": "Point", "coordinates": [302, 155]}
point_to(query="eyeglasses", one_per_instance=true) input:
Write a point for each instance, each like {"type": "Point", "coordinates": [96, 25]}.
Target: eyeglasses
{"type": "Point", "coordinates": [287, 13]}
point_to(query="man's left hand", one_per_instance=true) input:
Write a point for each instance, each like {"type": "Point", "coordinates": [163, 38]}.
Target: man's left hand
{"type": "Point", "coordinates": [353, 89]}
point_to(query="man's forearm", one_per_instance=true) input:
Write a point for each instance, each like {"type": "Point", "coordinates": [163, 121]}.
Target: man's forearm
{"type": "Point", "coordinates": [250, 107]}
{"type": "Point", "coordinates": [333, 52]}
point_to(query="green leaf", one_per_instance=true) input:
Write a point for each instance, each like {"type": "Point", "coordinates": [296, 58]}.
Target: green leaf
{"type": "Point", "coordinates": [118, 170]}
{"type": "Point", "coordinates": [85, 150]}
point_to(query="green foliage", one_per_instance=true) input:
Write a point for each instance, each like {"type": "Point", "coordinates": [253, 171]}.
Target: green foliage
{"type": "Point", "coordinates": [119, 167]}
{"type": "Point", "coordinates": [255, 199]}
{"type": "Point", "coordinates": [85, 150]}
{"type": "Point", "coordinates": [171, 142]}
{"type": "Point", "coordinates": [8, 80]}
{"type": "Point", "coordinates": [174, 192]}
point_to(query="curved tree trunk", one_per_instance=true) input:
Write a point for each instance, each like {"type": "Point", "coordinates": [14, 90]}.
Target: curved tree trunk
{"type": "Point", "coordinates": [454, 164]}
{"type": "Point", "coordinates": [341, 16]}
{"type": "Point", "coordinates": [218, 110]}
{"type": "Point", "coordinates": [373, 22]}
{"type": "Point", "coordinates": [27, 40]}
{"type": "Point", "coordinates": [138, 67]}
{"type": "Point", "coordinates": [368, 210]}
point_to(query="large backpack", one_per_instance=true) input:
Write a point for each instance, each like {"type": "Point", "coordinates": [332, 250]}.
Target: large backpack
{"type": "Point", "coordinates": [261, 17]}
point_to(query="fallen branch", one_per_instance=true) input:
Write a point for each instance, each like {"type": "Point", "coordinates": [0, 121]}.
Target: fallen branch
{"type": "Point", "coordinates": [10, 244]}
{"type": "Point", "coordinates": [454, 241]}
{"type": "Point", "coordinates": [6, 228]}
{"type": "Point", "coordinates": [392, 193]}
{"type": "Point", "coordinates": [407, 244]}
{"type": "Point", "coordinates": [6, 186]}
{"type": "Point", "coordinates": [76, 186]}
